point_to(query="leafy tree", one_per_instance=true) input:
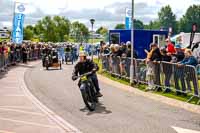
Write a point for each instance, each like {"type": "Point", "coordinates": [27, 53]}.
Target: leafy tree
{"type": "Point", "coordinates": [167, 18]}
{"type": "Point", "coordinates": [62, 27]}
{"type": "Point", "coordinates": [192, 16]}
{"type": "Point", "coordinates": [102, 30]}
{"type": "Point", "coordinates": [52, 29]}
{"type": "Point", "coordinates": [79, 32]}
{"type": "Point", "coordinates": [138, 24]}
{"type": "Point", "coordinates": [153, 25]}
{"type": "Point", "coordinates": [28, 32]}
{"type": "Point", "coordinates": [120, 26]}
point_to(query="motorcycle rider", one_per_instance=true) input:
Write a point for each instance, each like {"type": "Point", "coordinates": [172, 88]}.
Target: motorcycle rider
{"type": "Point", "coordinates": [84, 66]}
{"type": "Point", "coordinates": [46, 51]}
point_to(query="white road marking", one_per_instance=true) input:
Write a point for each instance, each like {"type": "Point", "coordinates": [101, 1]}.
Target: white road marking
{"type": "Point", "coordinates": [53, 116]}
{"type": "Point", "coordinates": [3, 131]}
{"type": "Point", "coordinates": [18, 107]}
{"type": "Point", "coordinates": [21, 111]}
{"type": "Point", "coordinates": [13, 95]}
{"type": "Point", "coordinates": [28, 123]}
{"type": "Point", "coordinates": [182, 130]}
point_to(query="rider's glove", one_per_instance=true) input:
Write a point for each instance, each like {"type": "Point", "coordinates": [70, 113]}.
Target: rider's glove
{"type": "Point", "coordinates": [74, 78]}
{"type": "Point", "coordinates": [94, 71]}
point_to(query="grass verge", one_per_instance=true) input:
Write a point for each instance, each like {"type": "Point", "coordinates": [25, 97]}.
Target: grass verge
{"type": "Point", "coordinates": [142, 87]}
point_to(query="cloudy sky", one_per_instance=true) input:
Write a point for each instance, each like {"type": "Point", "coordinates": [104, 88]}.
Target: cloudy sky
{"type": "Point", "coordinates": [106, 12]}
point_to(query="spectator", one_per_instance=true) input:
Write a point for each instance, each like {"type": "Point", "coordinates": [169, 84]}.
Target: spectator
{"type": "Point", "coordinates": [117, 50]}
{"type": "Point", "coordinates": [123, 48]}
{"type": "Point", "coordinates": [18, 53]}
{"type": "Point", "coordinates": [128, 52]}
{"type": "Point", "coordinates": [191, 74]}
{"type": "Point", "coordinates": [167, 68]}
{"type": "Point", "coordinates": [170, 47]}
{"type": "Point", "coordinates": [106, 49]}
{"type": "Point", "coordinates": [165, 56]}
{"type": "Point", "coordinates": [178, 71]}
{"type": "Point", "coordinates": [6, 50]}
{"type": "Point", "coordinates": [24, 53]}
{"type": "Point", "coordinates": [150, 68]}
{"type": "Point", "coordinates": [156, 57]}
{"type": "Point", "coordinates": [12, 53]}
{"type": "Point", "coordinates": [1, 57]}
{"type": "Point", "coordinates": [179, 55]}
{"type": "Point", "coordinates": [189, 59]}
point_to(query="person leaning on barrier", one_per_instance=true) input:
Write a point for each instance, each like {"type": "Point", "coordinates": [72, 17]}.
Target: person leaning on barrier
{"type": "Point", "coordinates": [12, 53]}
{"type": "Point", "coordinates": [105, 49]}
{"type": "Point", "coordinates": [166, 68]}
{"type": "Point", "coordinates": [6, 49]}
{"type": "Point", "coordinates": [123, 47]}
{"type": "Point", "coordinates": [123, 59]}
{"type": "Point", "coordinates": [24, 53]}
{"type": "Point", "coordinates": [179, 55]}
{"type": "Point", "coordinates": [18, 53]}
{"type": "Point", "coordinates": [156, 58]}
{"type": "Point", "coordinates": [179, 71]}
{"type": "Point", "coordinates": [1, 57]}
{"type": "Point", "coordinates": [188, 60]}
{"type": "Point", "coordinates": [128, 51]}
{"type": "Point", "coordinates": [117, 50]}
{"type": "Point", "coordinates": [150, 68]}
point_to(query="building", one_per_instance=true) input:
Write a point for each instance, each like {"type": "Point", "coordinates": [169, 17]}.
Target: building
{"type": "Point", "coordinates": [142, 39]}
{"type": "Point", "coordinates": [4, 33]}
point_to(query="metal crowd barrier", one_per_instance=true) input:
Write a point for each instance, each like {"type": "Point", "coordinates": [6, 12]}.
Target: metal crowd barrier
{"type": "Point", "coordinates": [167, 76]}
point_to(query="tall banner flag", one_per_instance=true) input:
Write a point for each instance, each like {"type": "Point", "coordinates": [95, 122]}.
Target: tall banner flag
{"type": "Point", "coordinates": [18, 23]}
{"type": "Point", "coordinates": [128, 21]}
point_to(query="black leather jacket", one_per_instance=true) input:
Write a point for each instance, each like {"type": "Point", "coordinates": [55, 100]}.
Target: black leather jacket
{"type": "Point", "coordinates": [84, 67]}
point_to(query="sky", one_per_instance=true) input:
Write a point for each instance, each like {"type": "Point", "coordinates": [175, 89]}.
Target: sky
{"type": "Point", "coordinates": [107, 13]}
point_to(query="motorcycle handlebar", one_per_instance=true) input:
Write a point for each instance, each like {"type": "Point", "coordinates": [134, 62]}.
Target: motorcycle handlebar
{"type": "Point", "coordinates": [86, 74]}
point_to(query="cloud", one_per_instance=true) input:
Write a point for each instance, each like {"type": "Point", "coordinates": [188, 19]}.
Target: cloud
{"type": "Point", "coordinates": [112, 14]}
{"type": "Point", "coordinates": [109, 15]}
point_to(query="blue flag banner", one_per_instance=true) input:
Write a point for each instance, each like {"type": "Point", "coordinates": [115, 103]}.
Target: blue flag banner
{"type": "Point", "coordinates": [128, 21]}
{"type": "Point", "coordinates": [18, 22]}
{"type": "Point", "coordinates": [17, 33]}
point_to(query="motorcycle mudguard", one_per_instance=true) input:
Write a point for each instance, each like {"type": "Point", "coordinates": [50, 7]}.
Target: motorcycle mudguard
{"type": "Point", "coordinates": [83, 86]}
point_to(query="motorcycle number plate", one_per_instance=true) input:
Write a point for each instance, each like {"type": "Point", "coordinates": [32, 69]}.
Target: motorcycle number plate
{"type": "Point", "coordinates": [84, 78]}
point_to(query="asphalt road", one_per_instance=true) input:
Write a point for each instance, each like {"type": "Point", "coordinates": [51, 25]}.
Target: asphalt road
{"type": "Point", "coordinates": [118, 112]}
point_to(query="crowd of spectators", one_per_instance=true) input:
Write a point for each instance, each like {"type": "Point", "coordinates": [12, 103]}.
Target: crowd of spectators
{"type": "Point", "coordinates": [11, 53]}
{"type": "Point", "coordinates": [120, 50]}
{"type": "Point", "coordinates": [170, 53]}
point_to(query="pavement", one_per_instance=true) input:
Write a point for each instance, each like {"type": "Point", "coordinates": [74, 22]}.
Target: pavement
{"type": "Point", "coordinates": [119, 111]}
{"type": "Point", "coordinates": [21, 112]}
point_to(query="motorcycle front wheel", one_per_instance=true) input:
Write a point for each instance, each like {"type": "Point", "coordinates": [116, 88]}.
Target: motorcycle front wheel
{"type": "Point", "coordinates": [88, 100]}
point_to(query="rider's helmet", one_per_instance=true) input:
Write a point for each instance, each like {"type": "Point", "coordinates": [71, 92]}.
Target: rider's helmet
{"type": "Point", "coordinates": [82, 54]}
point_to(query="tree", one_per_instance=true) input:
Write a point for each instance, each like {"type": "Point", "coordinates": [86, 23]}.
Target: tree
{"type": "Point", "coordinates": [102, 30]}
{"type": "Point", "coordinates": [155, 25]}
{"type": "Point", "coordinates": [52, 29]}
{"type": "Point", "coordinates": [167, 18]}
{"type": "Point", "coordinates": [79, 32]}
{"type": "Point", "coordinates": [120, 26]}
{"type": "Point", "coordinates": [62, 27]}
{"type": "Point", "coordinates": [28, 32]}
{"type": "Point", "coordinates": [138, 24]}
{"type": "Point", "coordinates": [192, 16]}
